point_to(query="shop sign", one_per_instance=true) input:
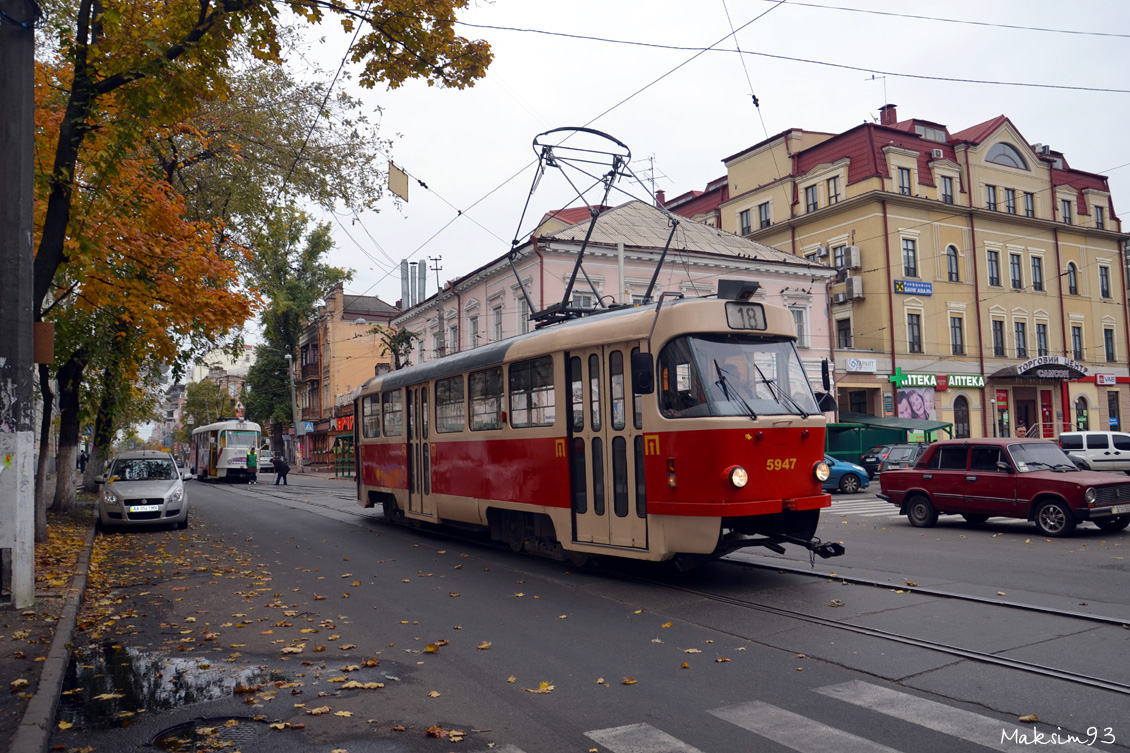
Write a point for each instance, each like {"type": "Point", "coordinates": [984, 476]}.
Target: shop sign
{"type": "Point", "coordinates": [938, 381]}
{"type": "Point", "coordinates": [1002, 399]}
{"type": "Point", "coordinates": [1106, 380]}
{"type": "Point", "coordinates": [914, 287]}
{"type": "Point", "coordinates": [1052, 367]}
{"type": "Point", "coordinates": [964, 381]}
{"type": "Point", "coordinates": [345, 423]}
{"type": "Point", "coordinates": [899, 379]}
{"type": "Point", "coordinates": [865, 365]}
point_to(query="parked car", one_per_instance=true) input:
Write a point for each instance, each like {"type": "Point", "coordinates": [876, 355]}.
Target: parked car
{"type": "Point", "coordinates": [142, 488]}
{"type": "Point", "coordinates": [901, 456]}
{"type": "Point", "coordinates": [265, 465]}
{"type": "Point", "coordinates": [845, 477]}
{"type": "Point", "coordinates": [871, 459]}
{"type": "Point", "coordinates": [1099, 450]}
{"type": "Point", "coordinates": [1031, 479]}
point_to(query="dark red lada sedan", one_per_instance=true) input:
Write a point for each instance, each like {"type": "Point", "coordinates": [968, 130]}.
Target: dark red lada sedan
{"type": "Point", "coordinates": [1015, 478]}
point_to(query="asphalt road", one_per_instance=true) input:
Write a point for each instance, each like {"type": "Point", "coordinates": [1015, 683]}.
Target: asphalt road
{"type": "Point", "coordinates": [522, 654]}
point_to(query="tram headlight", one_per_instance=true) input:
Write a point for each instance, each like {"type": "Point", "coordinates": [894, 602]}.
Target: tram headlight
{"type": "Point", "coordinates": [739, 477]}
{"type": "Point", "coordinates": [821, 471]}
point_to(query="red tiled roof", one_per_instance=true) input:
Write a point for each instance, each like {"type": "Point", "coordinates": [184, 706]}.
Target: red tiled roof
{"type": "Point", "coordinates": [978, 133]}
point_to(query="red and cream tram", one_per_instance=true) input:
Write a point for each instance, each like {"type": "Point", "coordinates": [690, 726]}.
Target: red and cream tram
{"type": "Point", "coordinates": [682, 429]}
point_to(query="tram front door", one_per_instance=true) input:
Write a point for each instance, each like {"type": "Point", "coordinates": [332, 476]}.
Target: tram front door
{"type": "Point", "coordinates": [609, 502]}
{"type": "Point", "coordinates": [420, 500]}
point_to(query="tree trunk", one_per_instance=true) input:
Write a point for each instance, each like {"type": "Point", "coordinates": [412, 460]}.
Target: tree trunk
{"type": "Point", "coordinates": [44, 444]}
{"type": "Point", "coordinates": [70, 382]}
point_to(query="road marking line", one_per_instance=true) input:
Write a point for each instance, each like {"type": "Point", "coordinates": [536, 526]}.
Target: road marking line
{"type": "Point", "coordinates": [639, 738]}
{"type": "Point", "coordinates": [959, 723]}
{"type": "Point", "coordinates": [794, 731]}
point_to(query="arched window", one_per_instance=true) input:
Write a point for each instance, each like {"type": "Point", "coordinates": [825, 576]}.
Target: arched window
{"type": "Point", "coordinates": [961, 417]}
{"type": "Point", "coordinates": [1072, 279]}
{"type": "Point", "coordinates": [1006, 154]}
{"type": "Point", "coordinates": [951, 264]}
{"type": "Point", "coordinates": [1082, 420]}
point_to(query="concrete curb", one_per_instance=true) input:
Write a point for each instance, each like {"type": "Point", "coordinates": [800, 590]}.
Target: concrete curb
{"type": "Point", "coordinates": [34, 732]}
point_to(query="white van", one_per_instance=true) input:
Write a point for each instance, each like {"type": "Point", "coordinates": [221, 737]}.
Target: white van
{"type": "Point", "coordinates": [1100, 450]}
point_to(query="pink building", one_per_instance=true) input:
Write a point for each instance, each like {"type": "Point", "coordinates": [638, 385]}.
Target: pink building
{"type": "Point", "coordinates": [626, 244]}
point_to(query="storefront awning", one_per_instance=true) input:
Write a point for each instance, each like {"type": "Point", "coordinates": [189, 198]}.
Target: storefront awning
{"type": "Point", "coordinates": [895, 422]}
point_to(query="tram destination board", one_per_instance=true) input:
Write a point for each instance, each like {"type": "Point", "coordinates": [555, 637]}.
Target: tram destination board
{"type": "Point", "coordinates": [745, 316]}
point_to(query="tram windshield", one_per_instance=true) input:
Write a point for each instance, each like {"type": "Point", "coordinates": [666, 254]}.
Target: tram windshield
{"type": "Point", "coordinates": [241, 439]}
{"type": "Point", "coordinates": [732, 375]}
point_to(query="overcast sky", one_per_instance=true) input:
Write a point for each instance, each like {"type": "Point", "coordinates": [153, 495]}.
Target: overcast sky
{"type": "Point", "coordinates": [689, 111]}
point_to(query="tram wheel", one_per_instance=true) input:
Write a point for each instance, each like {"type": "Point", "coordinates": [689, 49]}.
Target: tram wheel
{"type": "Point", "coordinates": [516, 530]}
{"type": "Point", "coordinates": [578, 559]}
{"type": "Point", "coordinates": [388, 507]}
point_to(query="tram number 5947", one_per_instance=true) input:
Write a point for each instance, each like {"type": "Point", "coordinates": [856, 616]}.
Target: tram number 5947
{"type": "Point", "coordinates": [780, 464]}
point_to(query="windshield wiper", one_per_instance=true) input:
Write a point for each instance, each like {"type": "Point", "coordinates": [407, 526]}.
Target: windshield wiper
{"type": "Point", "coordinates": [779, 393]}
{"type": "Point", "coordinates": [724, 384]}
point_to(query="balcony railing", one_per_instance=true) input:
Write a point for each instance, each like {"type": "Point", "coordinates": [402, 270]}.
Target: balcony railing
{"type": "Point", "coordinates": [311, 371]}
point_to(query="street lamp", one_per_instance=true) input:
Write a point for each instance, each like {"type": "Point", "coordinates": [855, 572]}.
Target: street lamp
{"type": "Point", "coordinates": [294, 410]}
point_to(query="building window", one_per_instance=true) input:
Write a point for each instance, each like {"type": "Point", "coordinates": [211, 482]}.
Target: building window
{"type": "Point", "coordinates": [947, 189]}
{"type": "Point", "coordinates": [1065, 205]}
{"type": "Point", "coordinates": [957, 342]}
{"type": "Point", "coordinates": [1082, 421]}
{"type": "Point", "coordinates": [811, 199]}
{"type": "Point", "coordinates": [1114, 413]}
{"type": "Point", "coordinates": [1100, 218]}
{"type": "Point", "coordinates": [1037, 273]}
{"type": "Point", "coordinates": [991, 197]}
{"type": "Point", "coordinates": [839, 257]}
{"type": "Point", "coordinates": [453, 339]}
{"type": "Point", "coordinates": [909, 257]}
{"type": "Point", "coordinates": [904, 181]}
{"type": "Point", "coordinates": [843, 333]}
{"type": "Point", "coordinates": [914, 333]}
{"type": "Point", "coordinates": [951, 264]}
{"type": "Point", "coordinates": [1010, 200]}
{"type": "Point", "coordinates": [998, 337]}
{"type": "Point", "coordinates": [1072, 279]}
{"type": "Point", "coordinates": [523, 316]}
{"type": "Point", "coordinates": [1006, 154]}
{"type": "Point", "coordinates": [994, 267]}
{"type": "Point", "coordinates": [1014, 271]}
{"type": "Point", "coordinates": [583, 301]}
{"type": "Point", "coordinates": [473, 321]}
{"type": "Point", "coordinates": [833, 186]}
{"type": "Point", "coordinates": [1104, 282]}
{"type": "Point", "coordinates": [1108, 344]}
{"type": "Point", "coordinates": [1029, 204]}
{"type": "Point", "coordinates": [961, 417]}
{"type": "Point", "coordinates": [763, 215]}
{"type": "Point", "coordinates": [1020, 330]}
{"type": "Point", "coordinates": [801, 330]}
{"type": "Point", "coordinates": [1041, 339]}
{"type": "Point", "coordinates": [1077, 343]}
{"type": "Point", "coordinates": [743, 219]}
{"type": "Point", "coordinates": [496, 317]}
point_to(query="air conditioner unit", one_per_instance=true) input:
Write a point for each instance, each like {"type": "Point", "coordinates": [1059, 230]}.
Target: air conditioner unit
{"type": "Point", "coordinates": [855, 287]}
{"type": "Point", "coordinates": [938, 153]}
{"type": "Point", "coordinates": [854, 257]}
{"type": "Point", "coordinates": [839, 297]}
{"type": "Point", "coordinates": [821, 252]}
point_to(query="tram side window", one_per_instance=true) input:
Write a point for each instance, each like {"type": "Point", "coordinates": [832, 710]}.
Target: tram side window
{"type": "Point", "coordinates": [531, 393]}
{"type": "Point", "coordinates": [680, 390]}
{"type": "Point", "coordinates": [637, 403]}
{"type": "Point", "coordinates": [393, 404]}
{"type": "Point", "coordinates": [451, 406]}
{"type": "Point", "coordinates": [616, 377]}
{"type": "Point", "coordinates": [486, 399]}
{"type": "Point", "coordinates": [371, 416]}
{"type": "Point", "coordinates": [577, 393]}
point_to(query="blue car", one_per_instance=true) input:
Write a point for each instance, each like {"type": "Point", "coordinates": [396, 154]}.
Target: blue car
{"type": "Point", "coordinates": [846, 477]}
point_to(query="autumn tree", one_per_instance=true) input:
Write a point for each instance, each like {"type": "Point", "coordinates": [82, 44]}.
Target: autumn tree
{"type": "Point", "coordinates": [396, 342]}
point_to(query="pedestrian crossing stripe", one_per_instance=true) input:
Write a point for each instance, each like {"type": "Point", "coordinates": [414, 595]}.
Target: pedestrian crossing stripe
{"type": "Point", "coordinates": [795, 731]}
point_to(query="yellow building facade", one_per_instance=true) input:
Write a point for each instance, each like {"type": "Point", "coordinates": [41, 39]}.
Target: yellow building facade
{"type": "Point", "coordinates": [981, 278]}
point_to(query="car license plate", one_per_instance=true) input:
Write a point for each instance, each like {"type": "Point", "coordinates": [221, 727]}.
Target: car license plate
{"type": "Point", "coordinates": [144, 508]}
{"type": "Point", "coordinates": [1119, 509]}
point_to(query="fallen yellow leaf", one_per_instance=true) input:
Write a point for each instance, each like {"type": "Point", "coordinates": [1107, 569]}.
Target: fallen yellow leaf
{"type": "Point", "coordinates": [484, 646]}
{"type": "Point", "coordinates": [65, 725]}
{"type": "Point", "coordinates": [629, 681]}
{"type": "Point", "coordinates": [542, 688]}
{"type": "Point", "coordinates": [433, 694]}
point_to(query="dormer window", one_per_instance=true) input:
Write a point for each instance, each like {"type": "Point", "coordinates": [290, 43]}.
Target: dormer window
{"type": "Point", "coordinates": [931, 134]}
{"type": "Point", "coordinates": [1006, 154]}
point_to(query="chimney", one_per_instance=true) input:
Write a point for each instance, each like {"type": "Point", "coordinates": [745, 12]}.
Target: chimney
{"type": "Point", "coordinates": [887, 115]}
{"type": "Point", "coordinates": [660, 197]}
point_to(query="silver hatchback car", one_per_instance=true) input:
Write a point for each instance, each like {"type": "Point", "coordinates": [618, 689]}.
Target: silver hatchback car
{"type": "Point", "coordinates": [142, 488]}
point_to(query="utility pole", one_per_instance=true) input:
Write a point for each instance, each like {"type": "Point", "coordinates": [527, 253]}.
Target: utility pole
{"type": "Point", "coordinates": [436, 268]}
{"type": "Point", "coordinates": [17, 417]}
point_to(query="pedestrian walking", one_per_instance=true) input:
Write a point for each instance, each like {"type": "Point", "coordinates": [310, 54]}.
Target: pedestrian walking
{"type": "Point", "coordinates": [83, 459]}
{"type": "Point", "coordinates": [1020, 430]}
{"type": "Point", "coordinates": [253, 465]}
{"type": "Point", "coordinates": [281, 469]}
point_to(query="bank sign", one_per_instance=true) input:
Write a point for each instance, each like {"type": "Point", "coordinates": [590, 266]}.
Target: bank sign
{"type": "Point", "coordinates": [914, 287]}
{"type": "Point", "coordinates": [938, 381]}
